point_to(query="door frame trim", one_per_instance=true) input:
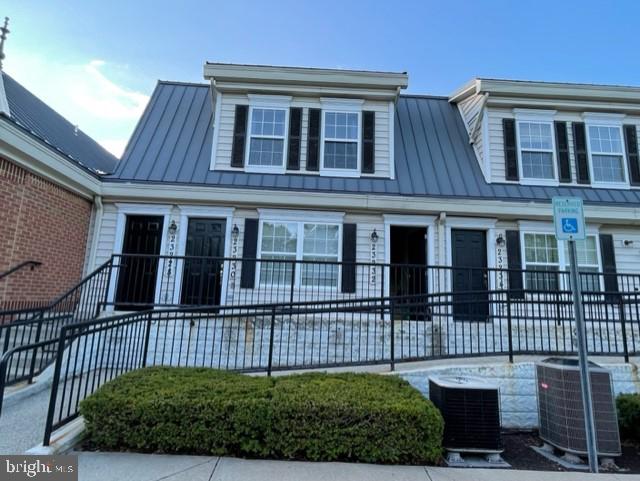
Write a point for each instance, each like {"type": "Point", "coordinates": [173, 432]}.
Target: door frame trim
{"type": "Point", "coordinates": [202, 212]}
{"type": "Point", "coordinates": [426, 221]}
{"type": "Point", "coordinates": [124, 210]}
{"type": "Point", "coordinates": [472, 223]}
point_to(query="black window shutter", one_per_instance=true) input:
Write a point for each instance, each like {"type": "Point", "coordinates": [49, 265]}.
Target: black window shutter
{"type": "Point", "coordinates": [349, 258]}
{"type": "Point", "coordinates": [239, 136]}
{"type": "Point", "coordinates": [514, 261]}
{"type": "Point", "coordinates": [562, 152]}
{"type": "Point", "coordinates": [631, 140]}
{"type": "Point", "coordinates": [510, 149]}
{"type": "Point", "coordinates": [249, 253]}
{"type": "Point", "coordinates": [368, 142]}
{"type": "Point", "coordinates": [295, 128]}
{"type": "Point", "coordinates": [580, 152]}
{"type": "Point", "coordinates": [313, 139]}
{"type": "Point", "coordinates": [609, 265]}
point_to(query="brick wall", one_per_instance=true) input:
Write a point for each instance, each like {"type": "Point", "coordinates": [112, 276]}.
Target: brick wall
{"type": "Point", "coordinates": [43, 222]}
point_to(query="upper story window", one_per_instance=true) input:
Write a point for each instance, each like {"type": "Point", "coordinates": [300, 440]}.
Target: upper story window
{"type": "Point", "coordinates": [606, 154]}
{"type": "Point", "coordinates": [266, 143]}
{"type": "Point", "coordinates": [341, 134]}
{"type": "Point", "coordinates": [536, 150]}
{"type": "Point", "coordinates": [341, 139]}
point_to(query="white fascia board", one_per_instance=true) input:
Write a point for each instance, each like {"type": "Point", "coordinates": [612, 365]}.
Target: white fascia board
{"type": "Point", "coordinates": [30, 153]}
{"type": "Point", "coordinates": [560, 90]}
{"type": "Point", "coordinates": [143, 192]}
{"type": "Point", "coordinates": [468, 89]}
{"type": "Point", "coordinates": [303, 75]}
{"type": "Point", "coordinates": [306, 90]}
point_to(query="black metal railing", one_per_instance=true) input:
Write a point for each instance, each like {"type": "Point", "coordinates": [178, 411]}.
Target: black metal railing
{"type": "Point", "coordinates": [31, 264]}
{"type": "Point", "coordinates": [321, 334]}
{"type": "Point", "coordinates": [140, 281]}
{"type": "Point", "coordinates": [23, 327]}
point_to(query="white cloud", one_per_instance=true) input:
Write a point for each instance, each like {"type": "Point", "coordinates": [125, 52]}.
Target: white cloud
{"type": "Point", "coordinates": [98, 95]}
{"type": "Point", "coordinates": [85, 94]}
{"type": "Point", "coordinates": [115, 146]}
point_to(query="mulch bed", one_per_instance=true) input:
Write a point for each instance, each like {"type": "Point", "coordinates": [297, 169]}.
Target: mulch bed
{"type": "Point", "coordinates": [519, 454]}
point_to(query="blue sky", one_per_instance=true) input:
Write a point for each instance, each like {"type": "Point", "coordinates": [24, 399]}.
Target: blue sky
{"type": "Point", "coordinates": [96, 62]}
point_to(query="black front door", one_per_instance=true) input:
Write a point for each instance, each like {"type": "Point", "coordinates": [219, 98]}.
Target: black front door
{"type": "Point", "coordinates": [469, 263]}
{"type": "Point", "coordinates": [139, 272]}
{"type": "Point", "coordinates": [408, 273]}
{"type": "Point", "coordinates": [202, 275]}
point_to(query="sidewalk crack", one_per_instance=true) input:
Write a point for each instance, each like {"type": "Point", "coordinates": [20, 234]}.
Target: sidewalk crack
{"type": "Point", "coordinates": [215, 467]}
{"type": "Point", "coordinates": [427, 473]}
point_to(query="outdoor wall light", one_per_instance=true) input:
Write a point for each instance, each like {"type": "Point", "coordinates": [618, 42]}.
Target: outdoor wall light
{"type": "Point", "coordinates": [500, 240]}
{"type": "Point", "coordinates": [235, 232]}
{"type": "Point", "coordinates": [374, 236]}
{"type": "Point", "coordinates": [173, 228]}
{"type": "Point", "coordinates": [627, 242]}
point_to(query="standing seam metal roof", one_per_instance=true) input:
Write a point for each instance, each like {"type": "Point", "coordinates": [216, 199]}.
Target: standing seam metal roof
{"type": "Point", "coordinates": [32, 115]}
{"type": "Point", "coordinates": [173, 140]}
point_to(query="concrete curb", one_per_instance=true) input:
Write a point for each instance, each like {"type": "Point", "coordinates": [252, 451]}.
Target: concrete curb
{"type": "Point", "coordinates": [62, 440]}
{"type": "Point", "coordinates": [17, 394]}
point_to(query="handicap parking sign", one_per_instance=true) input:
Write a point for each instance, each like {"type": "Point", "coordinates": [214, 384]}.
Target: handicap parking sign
{"type": "Point", "coordinates": [569, 225]}
{"type": "Point", "coordinates": [568, 217]}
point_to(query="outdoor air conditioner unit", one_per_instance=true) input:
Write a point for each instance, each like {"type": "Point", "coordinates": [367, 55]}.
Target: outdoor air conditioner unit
{"type": "Point", "coordinates": [562, 413]}
{"type": "Point", "coordinates": [471, 411]}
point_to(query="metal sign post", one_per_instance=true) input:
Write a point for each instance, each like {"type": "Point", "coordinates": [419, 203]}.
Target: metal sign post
{"type": "Point", "coordinates": [568, 217]}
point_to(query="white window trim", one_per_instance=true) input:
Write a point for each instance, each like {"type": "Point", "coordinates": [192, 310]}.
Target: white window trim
{"type": "Point", "coordinates": [299, 218]}
{"type": "Point", "coordinates": [563, 263]}
{"type": "Point", "coordinates": [276, 102]}
{"type": "Point", "coordinates": [541, 117]}
{"type": "Point", "coordinates": [606, 120]}
{"type": "Point", "coordinates": [121, 220]}
{"type": "Point", "coordinates": [341, 106]}
{"type": "Point", "coordinates": [427, 221]}
{"type": "Point", "coordinates": [190, 212]}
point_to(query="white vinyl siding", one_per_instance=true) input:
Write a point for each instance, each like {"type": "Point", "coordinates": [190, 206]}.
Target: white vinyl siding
{"type": "Point", "coordinates": [227, 117]}
{"type": "Point", "coordinates": [496, 142]}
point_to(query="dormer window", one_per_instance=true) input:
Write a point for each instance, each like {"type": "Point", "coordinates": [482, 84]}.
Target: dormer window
{"type": "Point", "coordinates": [535, 146]}
{"type": "Point", "coordinates": [266, 142]}
{"type": "Point", "coordinates": [536, 150]}
{"type": "Point", "coordinates": [606, 154]}
{"type": "Point", "coordinates": [341, 133]}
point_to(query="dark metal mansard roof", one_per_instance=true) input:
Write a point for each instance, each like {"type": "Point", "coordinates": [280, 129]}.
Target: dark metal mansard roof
{"type": "Point", "coordinates": [35, 117]}
{"type": "Point", "coordinates": [172, 144]}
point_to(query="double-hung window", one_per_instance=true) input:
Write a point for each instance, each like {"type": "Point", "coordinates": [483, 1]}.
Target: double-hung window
{"type": "Point", "coordinates": [543, 258]}
{"type": "Point", "coordinates": [606, 153]}
{"type": "Point", "coordinates": [267, 133]}
{"type": "Point", "coordinates": [341, 133]}
{"type": "Point", "coordinates": [315, 244]}
{"type": "Point", "coordinates": [541, 262]}
{"type": "Point", "coordinates": [536, 146]}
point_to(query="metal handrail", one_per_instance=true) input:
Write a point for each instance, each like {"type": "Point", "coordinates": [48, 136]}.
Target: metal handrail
{"type": "Point", "coordinates": [32, 264]}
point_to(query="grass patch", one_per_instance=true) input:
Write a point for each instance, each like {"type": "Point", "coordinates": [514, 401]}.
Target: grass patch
{"type": "Point", "coordinates": [318, 417]}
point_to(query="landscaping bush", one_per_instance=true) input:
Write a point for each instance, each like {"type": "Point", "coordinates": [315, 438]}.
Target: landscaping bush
{"type": "Point", "coordinates": [629, 416]}
{"type": "Point", "coordinates": [319, 417]}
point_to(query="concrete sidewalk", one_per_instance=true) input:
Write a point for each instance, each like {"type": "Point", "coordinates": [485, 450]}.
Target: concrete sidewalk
{"type": "Point", "coordinates": [152, 467]}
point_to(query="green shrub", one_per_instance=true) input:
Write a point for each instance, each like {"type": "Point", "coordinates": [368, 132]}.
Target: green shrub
{"type": "Point", "coordinates": [629, 416]}
{"type": "Point", "coordinates": [319, 417]}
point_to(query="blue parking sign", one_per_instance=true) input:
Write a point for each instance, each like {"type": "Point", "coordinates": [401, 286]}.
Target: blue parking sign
{"type": "Point", "coordinates": [568, 217]}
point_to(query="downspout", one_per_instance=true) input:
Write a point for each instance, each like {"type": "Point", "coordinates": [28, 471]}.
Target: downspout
{"type": "Point", "coordinates": [442, 249]}
{"type": "Point", "coordinates": [97, 227]}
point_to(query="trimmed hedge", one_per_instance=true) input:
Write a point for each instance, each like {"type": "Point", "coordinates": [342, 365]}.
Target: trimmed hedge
{"type": "Point", "coordinates": [318, 417]}
{"type": "Point", "coordinates": [629, 416]}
